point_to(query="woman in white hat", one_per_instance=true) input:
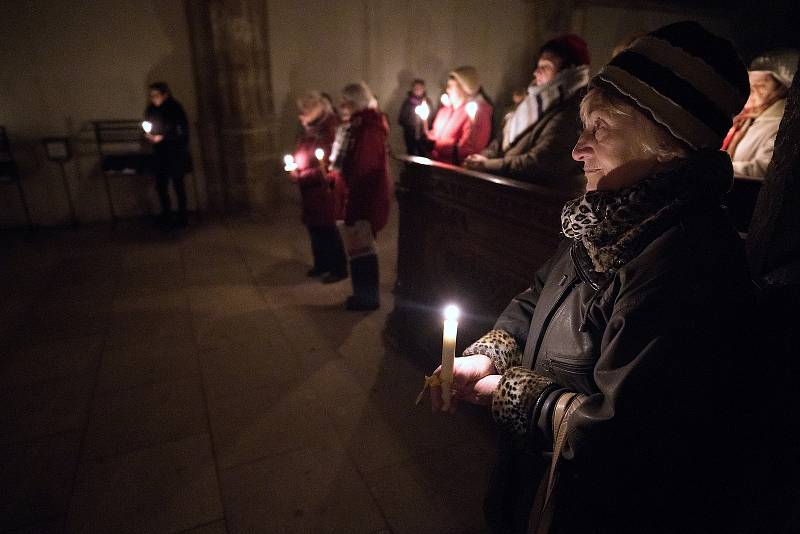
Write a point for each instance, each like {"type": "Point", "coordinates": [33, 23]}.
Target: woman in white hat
{"type": "Point", "coordinates": [751, 140]}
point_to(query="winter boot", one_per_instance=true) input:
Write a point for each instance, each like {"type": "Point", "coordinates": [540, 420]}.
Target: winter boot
{"type": "Point", "coordinates": [364, 275]}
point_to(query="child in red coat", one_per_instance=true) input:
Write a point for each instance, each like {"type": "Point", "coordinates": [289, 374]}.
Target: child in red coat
{"type": "Point", "coordinates": [319, 215]}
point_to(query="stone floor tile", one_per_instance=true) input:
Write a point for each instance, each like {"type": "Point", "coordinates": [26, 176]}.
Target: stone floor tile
{"type": "Point", "coordinates": [311, 490]}
{"type": "Point", "coordinates": [29, 364]}
{"type": "Point", "coordinates": [240, 368]}
{"type": "Point", "coordinates": [230, 327]}
{"type": "Point", "coordinates": [215, 527]}
{"type": "Point", "coordinates": [167, 488]}
{"type": "Point", "coordinates": [130, 326]}
{"type": "Point", "coordinates": [149, 361]}
{"type": "Point", "coordinates": [36, 480]}
{"type": "Point", "coordinates": [378, 438]}
{"type": "Point", "coordinates": [55, 320]}
{"type": "Point", "coordinates": [43, 408]}
{"type": "Point", "coordinates": [131, 419]}
{"type": "Point", "coordinates": [266, 422]}
{"type": "Point", "coordinates": [149, 278]}
{"type": "Point", "coordinates": [434, 493]}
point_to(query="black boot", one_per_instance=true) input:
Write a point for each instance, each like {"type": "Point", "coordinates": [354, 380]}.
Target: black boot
{"type": "Point", "coordinates": [364, 275]}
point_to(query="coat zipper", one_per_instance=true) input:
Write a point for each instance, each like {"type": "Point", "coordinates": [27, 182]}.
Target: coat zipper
{"type": "Point", "coordinates": [546, 324]}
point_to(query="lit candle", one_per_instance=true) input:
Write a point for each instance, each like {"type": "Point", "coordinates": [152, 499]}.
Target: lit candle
{"type": "Point", "coordinates": [445, 100]}
{"type": "Point", "coordinates": [147, 126]}
{"type": "Point", "coordinates": [472, 109]}
{"type": "Point", "coordinates": [289, 164]}
{"type": "Point", "coordinates": [423, 111]}
{"type": "Point", "coordinates": [451, 314]}
{"type": "Point", "coordinates": [320, 155]}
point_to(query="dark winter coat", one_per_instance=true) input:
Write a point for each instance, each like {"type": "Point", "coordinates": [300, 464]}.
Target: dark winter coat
{"type": "Point", "coordinates": [171, 154]}
{"type": "Point", "coordinates": [656, 346]}
{"type": "Point", "coordinates": [412, 124]}
{"type": "Point", "coordinates": [543, 153]}
{"type": "Point", "coordinates": [315, 188]}
{"type": "Point", "coordinates": [364, 181]}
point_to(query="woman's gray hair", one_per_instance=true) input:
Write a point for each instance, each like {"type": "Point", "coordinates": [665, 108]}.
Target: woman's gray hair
{"type": "Point", "coordinates": [358, 95]}
{"type": "Point", "coordinates": [310, 99]}
{"type": "Point", "coordinates": [651, 137]}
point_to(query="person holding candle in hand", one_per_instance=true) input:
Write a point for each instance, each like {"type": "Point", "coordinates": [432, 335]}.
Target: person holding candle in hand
{"type": "Point", "coordinates": [313, 147]}
{"type": "Point", "coordinates": [617, 377]}
{"type": "Point", "coordinates": [363, 188]}
{"type": "Point", "coordinates": [414, 126]}
{"type": "Point", "coordinates": [538, 134]}
{"type": "Point", "coordinates": [455, 134]}
{"type": "Point", "coordinates": [169, 135]}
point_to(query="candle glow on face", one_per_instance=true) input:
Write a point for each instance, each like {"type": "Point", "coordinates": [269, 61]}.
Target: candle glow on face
{"type": "Point", "coordinates": [445, 100]}
{"type": "Point", "coordinates": [147, 126]}
{"type": "Point", "coordinates": [423, 111]}
{"type": "Point", "coordinates": [450, 331]}
{"type": "Point", "coordinates": [472, 109]}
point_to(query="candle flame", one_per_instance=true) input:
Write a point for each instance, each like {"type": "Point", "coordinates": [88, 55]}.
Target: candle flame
{"type": "Point", "coordinates": [445, 99]}
{"type": "Point", "coordinates": [288, 159]}
{"type": "Point", "coordinates": [289, 164]}
{"type": "Point", "coordinates": [472, 109]}
{"type": "Point", "coordinates": [423, 111]}
{"type": "Point", "coordinates": [147, 126]}
{"type": "Point", "coordinates": [451, 312]}
{"type": "Point", "coordinates": [319, 153]}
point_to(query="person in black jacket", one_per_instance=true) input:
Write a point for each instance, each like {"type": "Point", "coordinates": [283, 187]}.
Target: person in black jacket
{"type": "Point", "coordinates": [413, 126]}
{"type": "Point", "coordinates": [169, 136]}
{"type": "Point", "coordinates": [616, 378]}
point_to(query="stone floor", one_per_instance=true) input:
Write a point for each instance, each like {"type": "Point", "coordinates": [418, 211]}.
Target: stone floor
{"type": "Point", "coordinates": [198, 382]}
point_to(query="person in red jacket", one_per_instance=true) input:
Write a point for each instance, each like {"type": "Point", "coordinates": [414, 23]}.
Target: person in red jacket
{"type": "Point", "coordinates": [319, 127]}
{"type": "Point", "coordinates": [363, 187]}
{"type": "Point", "coordinates": [464, 125]}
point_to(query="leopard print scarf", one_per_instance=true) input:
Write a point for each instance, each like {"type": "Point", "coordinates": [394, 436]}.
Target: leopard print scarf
{"type": "Point", "coordinates": [609, 223]}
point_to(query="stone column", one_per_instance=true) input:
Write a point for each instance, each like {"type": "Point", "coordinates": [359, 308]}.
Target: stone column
{"type": "Point", "coordinates": [232, 65]}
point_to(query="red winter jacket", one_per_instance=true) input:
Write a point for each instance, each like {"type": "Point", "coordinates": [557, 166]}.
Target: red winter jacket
{"type": "Point", "coordinates": [364, 182]}
{"type": "Point", "coordinates": [315, 189]}
{"type": "Point", "coordinates": [456, 136]}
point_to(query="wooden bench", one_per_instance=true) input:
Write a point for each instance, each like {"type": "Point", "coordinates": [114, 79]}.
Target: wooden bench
{"type": "Point", "coordinates": [466, 237]}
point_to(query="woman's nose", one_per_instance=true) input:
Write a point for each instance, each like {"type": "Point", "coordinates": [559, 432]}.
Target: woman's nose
{"type": "Point", "coordinates": [582, 148]}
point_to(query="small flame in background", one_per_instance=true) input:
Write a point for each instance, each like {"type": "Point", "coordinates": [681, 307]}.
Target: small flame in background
{"type": "Point", "coordinates": [289, 164]}
{"type": "Point", "coordinates": [445, 100]}
{"type": "Point", "coordinates": [423, 111]}
{"type": "Point", "coordinates": [472, 109]}
{"type": "Point", "coordinates": [147, 126]}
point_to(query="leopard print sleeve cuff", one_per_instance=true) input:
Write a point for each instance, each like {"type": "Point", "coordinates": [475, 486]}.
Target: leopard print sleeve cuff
{"type": "Point", "coordinates": [514, 397]}
{"type": "Point", "coordinates": [500, 346]}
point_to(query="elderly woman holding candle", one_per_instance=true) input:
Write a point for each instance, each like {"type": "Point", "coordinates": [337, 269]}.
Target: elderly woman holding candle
{"type": "Point", "coordinates": [538, 135]}
{"type": "Point", "coordinates": [463, 125]}
{"type": "Point", "coordinates": [615, 376]}
{"type": "Point", "coordinates": [313, 148]}
{"type": "Point", "coordinates": [363, 185]}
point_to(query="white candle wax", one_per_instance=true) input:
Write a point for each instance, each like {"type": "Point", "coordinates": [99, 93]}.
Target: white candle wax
{"type": "Point", "coordinates": [448, 353]}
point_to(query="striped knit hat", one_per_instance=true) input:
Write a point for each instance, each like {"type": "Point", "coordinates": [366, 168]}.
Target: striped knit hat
{"type": "Point", "coordinates": [688, 80]}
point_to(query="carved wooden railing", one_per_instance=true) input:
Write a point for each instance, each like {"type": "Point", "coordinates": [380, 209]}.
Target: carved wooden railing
{"type": "Point", "coordinates": [466, 237]}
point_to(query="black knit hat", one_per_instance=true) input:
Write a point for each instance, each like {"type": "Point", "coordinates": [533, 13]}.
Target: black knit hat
{"type": "Point", "coordinates": [688, 80]}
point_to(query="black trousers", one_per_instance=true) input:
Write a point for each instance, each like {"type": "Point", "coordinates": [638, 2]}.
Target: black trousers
{"type": "Point", "coordinates": [171, 167]}
{"type": "Point", "coordinates": [327, 250]}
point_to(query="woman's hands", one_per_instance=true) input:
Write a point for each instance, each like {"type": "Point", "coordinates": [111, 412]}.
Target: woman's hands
{"type": "Point", "coordinates": [474, 380]}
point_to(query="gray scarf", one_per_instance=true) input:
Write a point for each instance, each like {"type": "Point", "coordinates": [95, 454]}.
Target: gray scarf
{"type": "Point", "coordinates": [542, 98]}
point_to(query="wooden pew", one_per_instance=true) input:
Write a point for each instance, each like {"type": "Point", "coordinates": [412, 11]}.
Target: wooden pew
{"type": "Point", "coordinates": [466, 237]}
